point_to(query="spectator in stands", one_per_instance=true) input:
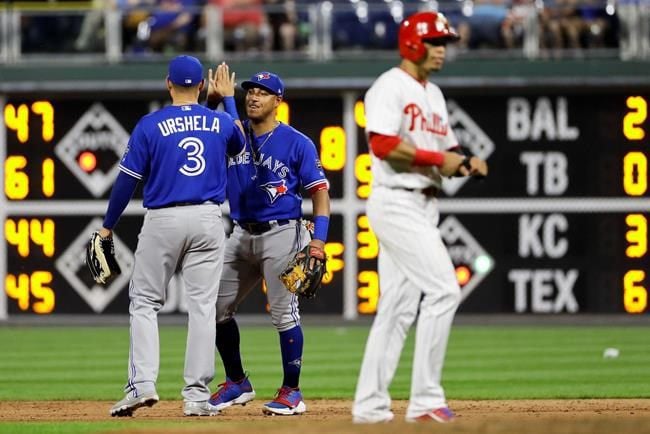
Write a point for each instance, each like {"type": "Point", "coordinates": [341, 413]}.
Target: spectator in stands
{"type": "Point", "coordinates": [91, 32]}
{"type": "Point", "coordinates": [595, 23]}
{"type": "Point", "coordinates": [283, 20]}
{"type": "Point", "coordinates": [244, 23]}
{"type": "Point", "coordinates": [173, 25]}
{"type": "Point", "coordinates": [634, 21]}
{"type": "Point", "coordinates": [520, 15]}
{"type": "Point", "coordinates": [134, 13]}
{"type": "Point", "coordinates": [490, 25]}
{"type": "Point", "coordinates": [45, 32]}
{"type": "Point", "coordinates": [561, 24]}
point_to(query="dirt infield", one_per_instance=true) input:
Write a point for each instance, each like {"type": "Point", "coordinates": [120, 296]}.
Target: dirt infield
{"type": "Point", "coordinates": [592, 416]}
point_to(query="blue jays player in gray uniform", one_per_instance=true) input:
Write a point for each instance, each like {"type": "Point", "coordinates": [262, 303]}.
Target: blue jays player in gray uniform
{"type": "Point", "coordinates": [179, 152]}
{"type": "Point", "coordinates": [264, 191]}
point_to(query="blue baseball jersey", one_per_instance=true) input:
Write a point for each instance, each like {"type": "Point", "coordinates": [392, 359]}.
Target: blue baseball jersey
{"type": "Point", "coordinates": [265, 181]}
{"type": "Point", "coordinates": [180, 154]}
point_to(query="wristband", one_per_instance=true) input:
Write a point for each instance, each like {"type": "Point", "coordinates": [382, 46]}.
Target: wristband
{"type": "Point", "coordinates": [321, 224]}
{"type": "Point", "coordinates": [427, 158]}
{"type": "Point", "coordinates": [230, 107]}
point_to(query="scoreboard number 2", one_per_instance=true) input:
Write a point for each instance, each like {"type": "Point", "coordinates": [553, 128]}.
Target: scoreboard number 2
{"type": "Point", "coordinates": [635, 117]}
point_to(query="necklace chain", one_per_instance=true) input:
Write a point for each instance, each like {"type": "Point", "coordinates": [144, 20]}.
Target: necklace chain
{"type": "Point", "coordinates": [256, 152]}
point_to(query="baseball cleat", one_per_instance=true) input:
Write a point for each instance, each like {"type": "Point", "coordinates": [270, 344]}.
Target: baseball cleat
{"type": "Point", "coordinates": [230, 393]}
{"type": "Point", "coordinates": [199, 408]}
{"type": "Point", "coordinates": [131, 403]}
{"type": "Point", "coordinates": [442, 415]}
{"type": "Point", "coordinates": [287, 402]}
{"type": "Point", "coordinates": [385, 418]}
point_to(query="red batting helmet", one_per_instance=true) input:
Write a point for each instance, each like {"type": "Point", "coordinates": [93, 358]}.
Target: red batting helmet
{"type": "Point", "coordinates": [420, 27]}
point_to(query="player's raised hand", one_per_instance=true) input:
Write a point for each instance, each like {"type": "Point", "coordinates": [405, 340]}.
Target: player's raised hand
{"type": "Point", "coordinates": [224, 80]}
{"type": "Point", "coordinates": [213, 95]}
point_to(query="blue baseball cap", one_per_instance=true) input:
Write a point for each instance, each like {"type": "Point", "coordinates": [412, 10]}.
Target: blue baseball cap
{"type": "Point", "coordinates": [185, 71]}
{"type": "Point", "coordinates": [266, 80]}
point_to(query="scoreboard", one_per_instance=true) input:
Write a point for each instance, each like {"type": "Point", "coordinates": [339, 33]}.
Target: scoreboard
{"type": "Point", "coordinates": [559, 226]}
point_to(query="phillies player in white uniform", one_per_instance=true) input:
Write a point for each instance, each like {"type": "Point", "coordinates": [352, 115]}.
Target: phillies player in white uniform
{"type": "Point", "coordinates": [412, 147]}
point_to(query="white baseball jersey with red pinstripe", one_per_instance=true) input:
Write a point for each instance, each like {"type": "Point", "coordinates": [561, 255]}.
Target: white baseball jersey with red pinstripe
{"type": "Point", "coordinates": [399, 105]}
{"type": "Point", "coordinates": [416, 275]}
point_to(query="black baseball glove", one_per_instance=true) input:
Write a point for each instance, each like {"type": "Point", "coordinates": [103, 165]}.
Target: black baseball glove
{"type": "Point", "coordinates": [100, 258]}
{"type": "Point", "coordinates": [304, 273]}
{"type": "Point", "coordinates": [466, 162]}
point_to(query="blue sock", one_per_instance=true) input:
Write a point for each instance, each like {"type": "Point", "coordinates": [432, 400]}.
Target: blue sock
{"type": "Point", "coordinates": [291, 347]}
{"type": "Point", "coordinates": [228, 345]}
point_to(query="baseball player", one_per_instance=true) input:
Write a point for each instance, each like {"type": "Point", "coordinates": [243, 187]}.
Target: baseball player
{"type": "Point", "coordinates": [412, 147]}
{"type": "Point", "coordinates": [264, 191]}
{"type": "Point", "coordinates": [180, 154]}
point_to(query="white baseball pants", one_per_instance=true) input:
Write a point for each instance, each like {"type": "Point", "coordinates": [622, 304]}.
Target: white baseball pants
{"type": "Point", "coordinates": [416, 277]}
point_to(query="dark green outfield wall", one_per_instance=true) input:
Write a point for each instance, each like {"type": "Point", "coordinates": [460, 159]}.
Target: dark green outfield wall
{"type": "Point", "coordinates": [339, 74]}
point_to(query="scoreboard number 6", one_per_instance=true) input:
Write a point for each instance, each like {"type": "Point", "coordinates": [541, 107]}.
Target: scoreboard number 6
{"type": "Point", "coordinates": [635, 297]}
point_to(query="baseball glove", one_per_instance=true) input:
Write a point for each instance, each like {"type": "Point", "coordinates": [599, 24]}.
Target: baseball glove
{"type": "Point", "coordinates": [304, 273]}
{"type": "Point", "coordinates": [100, 258]}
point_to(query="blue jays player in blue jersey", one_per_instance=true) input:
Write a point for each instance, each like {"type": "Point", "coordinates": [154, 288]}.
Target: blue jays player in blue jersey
{"type": "Point", "coordinates": [179, 152]}
{"type": "Point", "coordinates": [264, 191]}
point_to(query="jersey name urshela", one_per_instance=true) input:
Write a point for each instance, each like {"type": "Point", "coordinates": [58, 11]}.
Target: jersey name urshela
{"type": "Point", "coordinates": [183, 124]}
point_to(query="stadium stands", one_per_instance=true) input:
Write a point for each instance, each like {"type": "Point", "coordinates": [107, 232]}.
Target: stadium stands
{"type": "Point", "coordinates": [128, 29]}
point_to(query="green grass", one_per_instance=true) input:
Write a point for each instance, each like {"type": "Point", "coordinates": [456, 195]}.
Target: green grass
{"type": "Point", "coordinates": [482, 362]}
{"type": "Point", "coordinates": [65, 363]}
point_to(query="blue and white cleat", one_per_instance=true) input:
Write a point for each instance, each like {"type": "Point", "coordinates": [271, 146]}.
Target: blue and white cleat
{"type": "Point", "coordinates": [287, 402]}
{"type": "Point", "coordinates": [230, 393]}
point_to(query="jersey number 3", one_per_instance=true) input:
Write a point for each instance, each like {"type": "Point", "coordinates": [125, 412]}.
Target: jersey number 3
{"type": "Point", "coordinates": [195, 162]}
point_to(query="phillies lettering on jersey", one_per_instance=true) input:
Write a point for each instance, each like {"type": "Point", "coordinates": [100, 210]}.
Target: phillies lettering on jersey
{"type": "Point", "coordinates": [399, 105]}
{"type": "Point", "coordinates": [265, 181]}
{"type": "Point", "coordinates": [189, 167]}
{"type": "Point", "coordinates": [419, 120]}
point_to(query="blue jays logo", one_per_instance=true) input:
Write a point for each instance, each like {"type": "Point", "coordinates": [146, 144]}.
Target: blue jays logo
{"type": "Point", "coordinates": [263, 76]}
{"type": "Point", "coordinates": [275, 189]}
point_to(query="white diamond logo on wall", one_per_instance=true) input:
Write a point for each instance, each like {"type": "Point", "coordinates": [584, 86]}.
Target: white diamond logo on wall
{"type": "Point", "coordinates": [464, 250]}
{"type": "Point", "coordinates": [71, 264]}
{"type": "Point", "coordinates": [470, 136]}
{"type": "Point", "coordinates": [96, 130]}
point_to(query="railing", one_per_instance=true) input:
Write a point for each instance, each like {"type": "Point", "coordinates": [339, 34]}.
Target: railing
{"type": "Point", "coordinates": [319, 31]}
